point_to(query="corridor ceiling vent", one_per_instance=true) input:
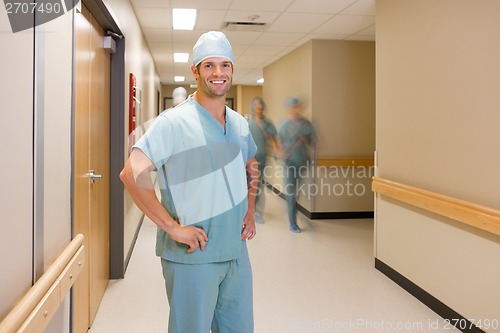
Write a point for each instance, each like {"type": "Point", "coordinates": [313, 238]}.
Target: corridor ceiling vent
{"type": "Point", "coordinates": [245, 26]}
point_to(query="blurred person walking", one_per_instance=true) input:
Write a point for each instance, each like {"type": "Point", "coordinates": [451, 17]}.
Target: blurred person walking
{"type": "Point", "coordinates": [264, 134]}
{"type": "Point", "coordinates": [297, 139]}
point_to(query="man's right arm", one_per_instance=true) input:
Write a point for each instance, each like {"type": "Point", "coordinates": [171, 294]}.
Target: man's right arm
{"type": "Point", "coordinates": [137, 179]}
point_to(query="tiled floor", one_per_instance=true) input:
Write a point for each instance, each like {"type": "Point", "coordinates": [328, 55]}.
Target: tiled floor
{"type": "Point", "coordinates": [322, 280]}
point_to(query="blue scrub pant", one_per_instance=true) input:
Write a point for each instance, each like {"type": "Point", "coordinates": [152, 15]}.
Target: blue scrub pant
{"type": "Point", "coordinates": [260, 197]}
{"type": "Point", "coordinates": [215, 296]}
{"type": "Point", "coordinates": [292, 171]}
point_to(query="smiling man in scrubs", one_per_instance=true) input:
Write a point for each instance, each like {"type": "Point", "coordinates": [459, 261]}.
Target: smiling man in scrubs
{"type": "Point", "coordinates": [202, 151]}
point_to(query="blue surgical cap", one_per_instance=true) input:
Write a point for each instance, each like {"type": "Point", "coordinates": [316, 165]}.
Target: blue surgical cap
{"type": "Point", "coordinates": [291, 102]}
{"type": "Point", "coordinates": [212, 44]}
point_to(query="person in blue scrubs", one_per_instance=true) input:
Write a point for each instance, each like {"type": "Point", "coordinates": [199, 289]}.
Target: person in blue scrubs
{"type": "Point", "coordinates": [297, 138]}
{"type": "Point", "coordinates": [264, 134]}
{"type": "Point", "coordinates": [201, 151]}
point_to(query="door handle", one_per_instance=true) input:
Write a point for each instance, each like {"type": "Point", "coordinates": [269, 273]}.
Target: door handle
{"type": "Point", "coordinates": [93, 176]}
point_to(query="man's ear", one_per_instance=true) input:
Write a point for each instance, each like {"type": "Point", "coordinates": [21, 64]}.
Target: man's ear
{"type": "Point", "coordinates": [194, 70]}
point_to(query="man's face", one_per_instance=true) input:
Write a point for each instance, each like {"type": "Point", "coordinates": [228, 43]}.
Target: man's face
{"type": "Point", "coordinates": [214, 76]}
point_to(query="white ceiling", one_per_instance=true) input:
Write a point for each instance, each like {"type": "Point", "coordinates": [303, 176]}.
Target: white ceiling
{"type": "Point", "coordinates": [289, 24]}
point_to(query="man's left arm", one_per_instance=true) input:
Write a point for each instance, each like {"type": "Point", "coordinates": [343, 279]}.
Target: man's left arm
{"type": "Point", "coordinates": [249, 229]}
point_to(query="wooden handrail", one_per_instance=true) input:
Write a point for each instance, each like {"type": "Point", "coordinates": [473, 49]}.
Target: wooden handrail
{"type": "Point", "coordinates": [345, 161]}
{"type": "Point", "coordinates": [35, 309]}
{"type": "Point", "coordinates": [475, 215]}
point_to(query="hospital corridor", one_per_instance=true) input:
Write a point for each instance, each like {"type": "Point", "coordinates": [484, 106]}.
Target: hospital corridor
{"type": "Point", "coordinates": [371, 126]}
{"type": "Point", "coordinates": [321, 280]}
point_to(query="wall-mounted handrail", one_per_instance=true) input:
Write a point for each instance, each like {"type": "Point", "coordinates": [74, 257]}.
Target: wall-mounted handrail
{"type": "Point", "coordinates": [35, 309]}
{"type": "Point", "coordinates": [346, 161]}
{"type": "Point", "coordinates": [475, 215]}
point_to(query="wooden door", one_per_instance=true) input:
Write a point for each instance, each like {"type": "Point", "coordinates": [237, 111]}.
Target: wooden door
{"type": "Point", "coordinates": [99, 162]}
{"type": "Point", "coordinates": [91, 194]}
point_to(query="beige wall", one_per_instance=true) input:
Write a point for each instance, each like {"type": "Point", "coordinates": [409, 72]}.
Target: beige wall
{"type": "Point", "coordinates": [438, 74]}
{"type": "Point", "coordinates": [336, 79]}
{"type": "Point", "coordinates": [344, 97]}
{"type": "Point", "coordinates": [138, 60]}
{"type": "Point", "coordinates": [344, 118]}
{"type": "Point", "coordinates": [17, 164]}
{"type": "Point", "coordinates": [291, 75]}
{"type": "Point", "coordinates": [245, 96]}
{"type": "Point", "coordinates": [36, 150]}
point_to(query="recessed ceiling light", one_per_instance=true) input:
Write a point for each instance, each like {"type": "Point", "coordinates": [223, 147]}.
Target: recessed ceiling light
{"type": "Point", "coordinates": [181, 57]}
{"type": "Point", "coordinates": [179, 78]}
{"type": "Point", "coordinates": [261, 80]}
{"type": "Point", "coordinates": [183, 19]}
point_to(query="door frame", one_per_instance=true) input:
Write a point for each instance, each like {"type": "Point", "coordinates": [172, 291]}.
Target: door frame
{"type": "Point", "coordinates": [103, 16]}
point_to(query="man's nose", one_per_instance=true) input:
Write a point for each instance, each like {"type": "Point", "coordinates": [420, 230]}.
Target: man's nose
{"type": "Point", "coordinates": [217, 70]}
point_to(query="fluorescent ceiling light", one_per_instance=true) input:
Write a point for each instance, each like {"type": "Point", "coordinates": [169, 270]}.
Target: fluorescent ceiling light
{"type": "Point", "coordinates": [179, 78]}
{"type": "Point", "coordinates": [181, 57]}
{"type": "Point", "coordinates": [261, 80]}
{"type": "Point", "coordinates": [183, 19]}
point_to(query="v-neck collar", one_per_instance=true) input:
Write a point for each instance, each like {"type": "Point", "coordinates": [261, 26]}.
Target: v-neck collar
{"type": "Point", "coordinates": [212, 119]}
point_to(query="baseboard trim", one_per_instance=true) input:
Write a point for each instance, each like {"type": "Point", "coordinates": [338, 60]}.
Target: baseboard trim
{"type": "Point", "coordinates": [335, 215]}
{"type": "Point", "coordinates": [134, 241]}
{"type": "Point", "coordinates": [325, 215]}
{"type": "Point", "coordinates": [430, 301]}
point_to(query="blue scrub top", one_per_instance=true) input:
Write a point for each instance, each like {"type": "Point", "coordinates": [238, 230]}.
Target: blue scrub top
{"type": "Point", "coordinates": [262, 134]}
{"type": "Point", "coordinates": [201, 170]}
